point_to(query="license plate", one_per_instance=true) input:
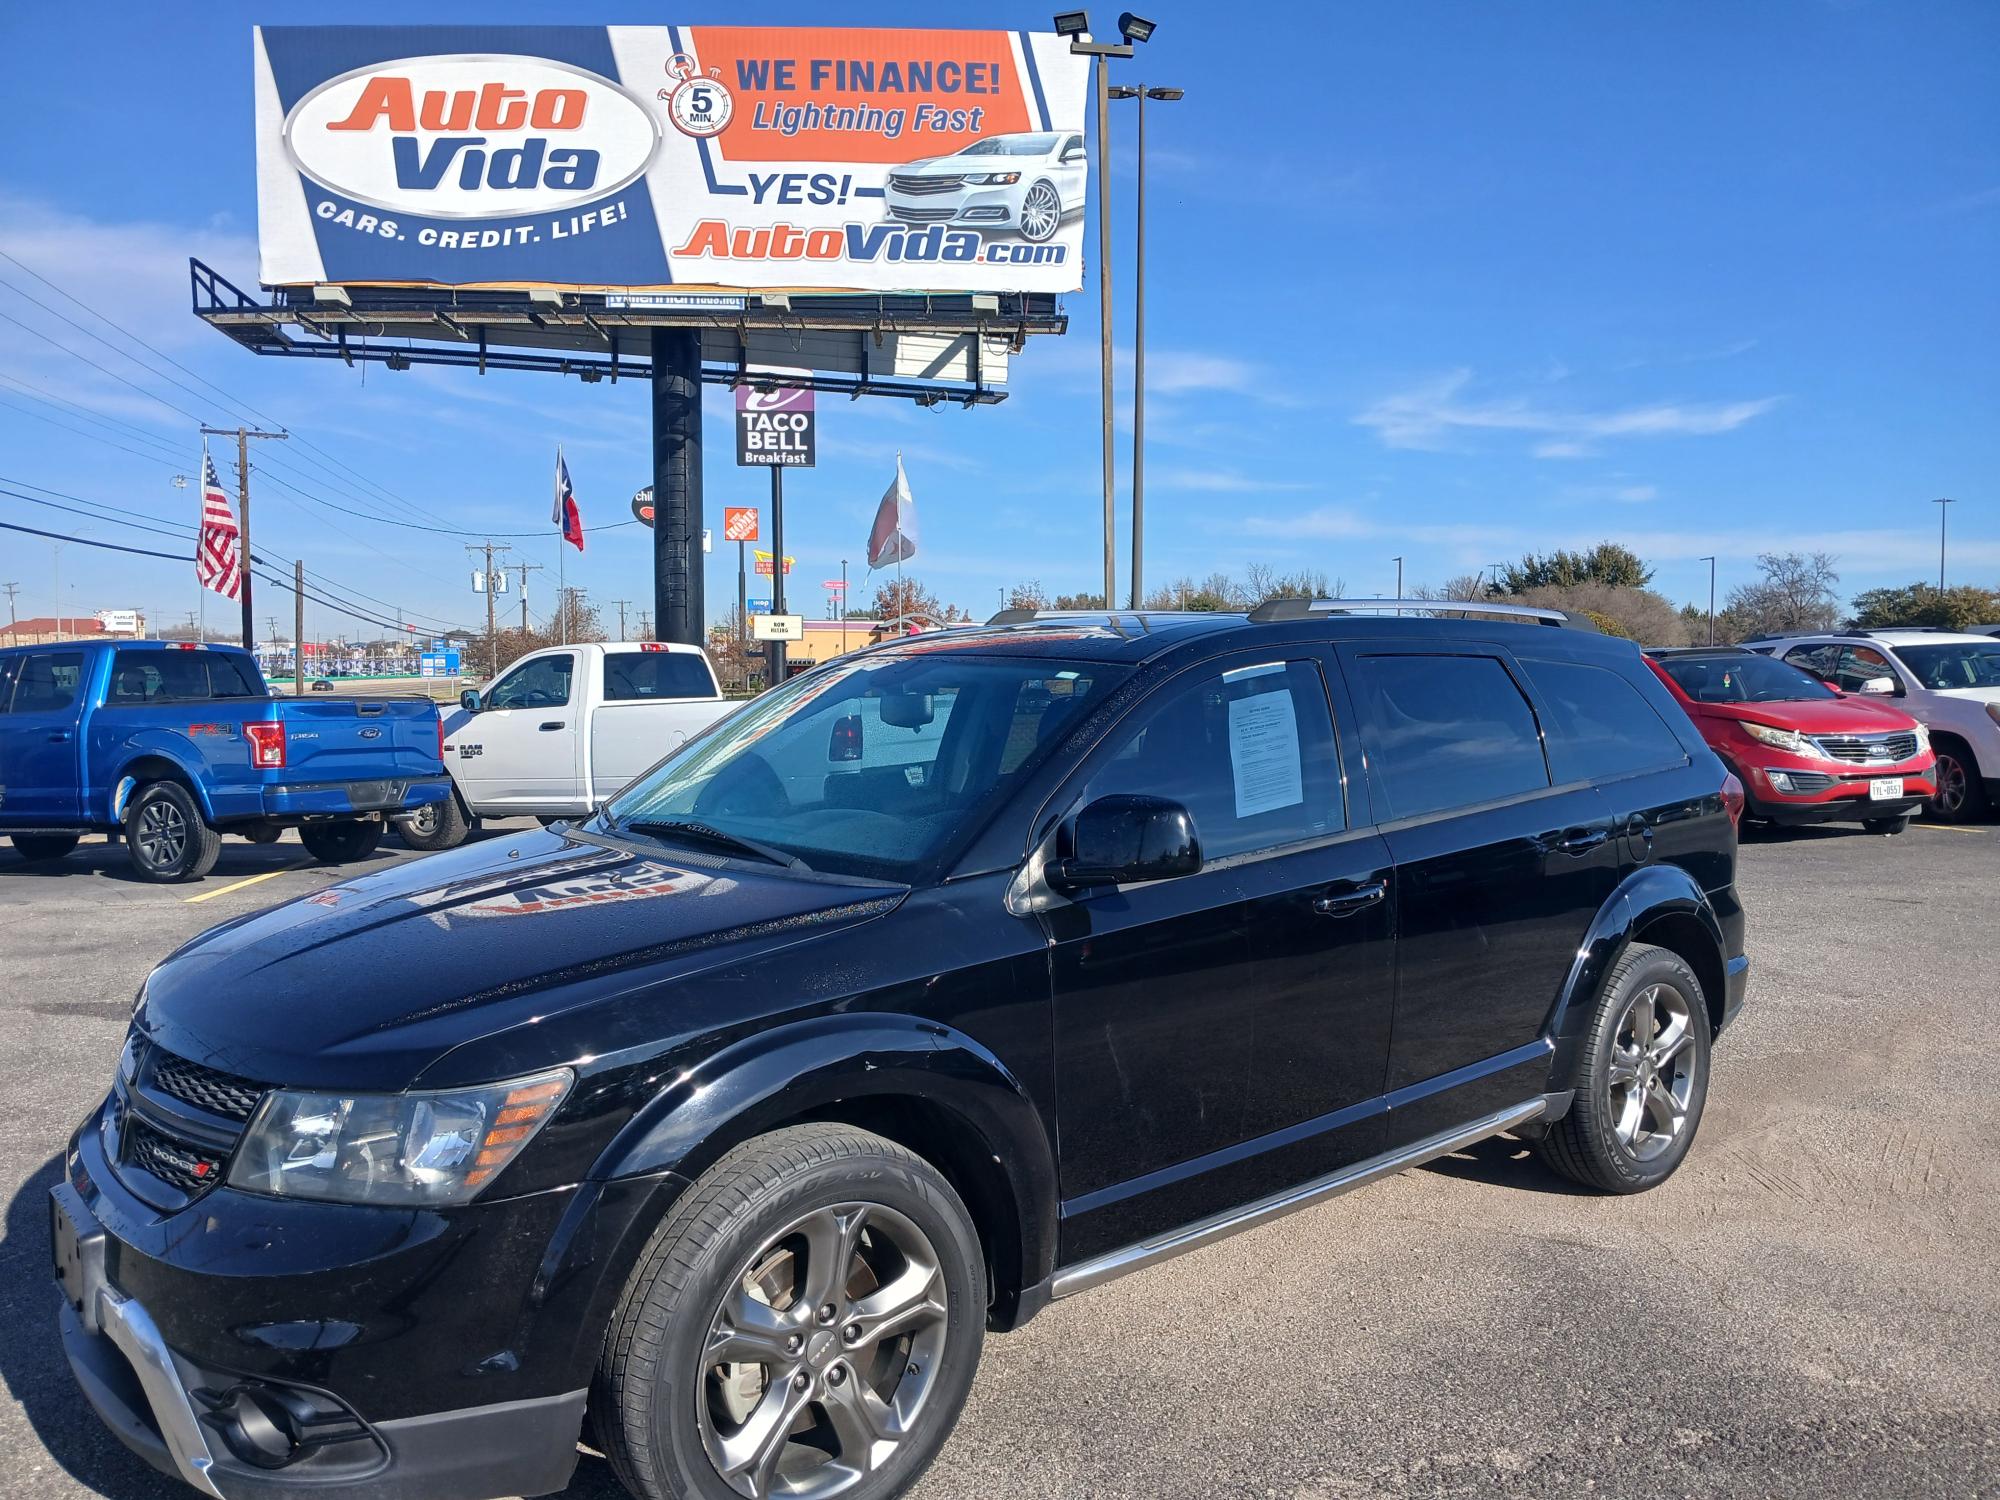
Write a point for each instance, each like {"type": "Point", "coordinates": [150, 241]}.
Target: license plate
{"type": "Point", "coordinates": [1885, 789]}
{"type": "Point", "coordinates": [78, 1245]}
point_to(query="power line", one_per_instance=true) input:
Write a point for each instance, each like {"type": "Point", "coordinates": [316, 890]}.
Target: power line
{"type": "Point", "coordinates": [151, 458]}
{"type": "Point", "coordinates": [79, 354]}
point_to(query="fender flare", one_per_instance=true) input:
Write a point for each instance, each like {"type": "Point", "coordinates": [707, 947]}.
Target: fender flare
{"type": "Point", "coordinates": [124, 783]}
{"type": "Point", "coordinates": [995, 1145]}
{"type": "Point", "coordinates": [1644, 897]}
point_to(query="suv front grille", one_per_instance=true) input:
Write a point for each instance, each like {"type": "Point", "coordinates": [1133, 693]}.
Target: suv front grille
{"type": "Point", "coordinates": [1866, 749]}
{"type": "Point", "coordinates": [219, 1093]}
{"type": "Point", "coordinates": [183, 1167]}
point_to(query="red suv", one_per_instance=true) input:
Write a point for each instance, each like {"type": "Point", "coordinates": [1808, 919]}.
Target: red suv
{"type": "Point", "coordinates": [1804, 752]}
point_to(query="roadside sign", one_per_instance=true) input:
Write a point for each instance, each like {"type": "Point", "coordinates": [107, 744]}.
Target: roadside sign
{"type": "Point", "coordinates": [777, 627]}
{"type": "Point", "coordinates": [764, 568]}
{"type": "Point", "coordinates": [774, 428]}
{"type": "Point", "coordinates": [642, 505]}
{"type": "Point", "coordinates": [758, 606]}
{"type": "Point", "coordinates": [835, 585]}
{"type": "Point", "coordinates": [739, 523]}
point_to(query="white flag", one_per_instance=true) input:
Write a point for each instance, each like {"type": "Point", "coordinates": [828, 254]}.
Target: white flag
{"type": "Point", "coordinates": [893, 537]}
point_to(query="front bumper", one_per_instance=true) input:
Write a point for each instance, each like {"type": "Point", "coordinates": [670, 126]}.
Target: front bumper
{"type": "Point", "coordinates": [343, 799]}
{"type": "Point", "coordinates": [1820, 794]}
{"type": "Point", "coordinates": [256, 1347]}
{"type": "Point", "coordinates": [975, 208]}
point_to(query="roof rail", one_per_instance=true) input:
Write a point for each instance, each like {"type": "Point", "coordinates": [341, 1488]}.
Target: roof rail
{"type": "Point", "coordinates": [1308, 609]}
{"type": "Point", "coordinates": [1109, 616]}
{"type": "Point", "coordinates": [1718, 650]}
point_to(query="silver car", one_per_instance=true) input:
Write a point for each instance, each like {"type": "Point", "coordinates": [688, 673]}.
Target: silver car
{"type": "Point", "coordinates": [1023, 184]}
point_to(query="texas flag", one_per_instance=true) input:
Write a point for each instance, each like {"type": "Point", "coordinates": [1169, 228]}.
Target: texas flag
{"type": "Point", "coordinates": [566, 515]}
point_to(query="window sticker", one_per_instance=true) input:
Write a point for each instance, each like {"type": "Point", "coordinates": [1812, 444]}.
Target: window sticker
{"type": "Point", "coordinates": [1264, 753]}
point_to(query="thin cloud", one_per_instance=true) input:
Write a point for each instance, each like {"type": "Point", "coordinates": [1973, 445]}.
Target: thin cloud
{"type": "Point", "coordinates": [1220, 481]}
{"type": "Point", "coordinates": [1434, 415]}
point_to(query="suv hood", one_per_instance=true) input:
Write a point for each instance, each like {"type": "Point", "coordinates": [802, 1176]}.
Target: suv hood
{"type": "Point", "coordinates": [366, 983]}
{"type": "Point", "coordinates": [1974, 695]}
{"type": "Point", "coordinates": [1855, 715]}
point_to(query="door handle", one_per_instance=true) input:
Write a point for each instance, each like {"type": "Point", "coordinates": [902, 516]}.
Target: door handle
{"type": "Point", "coordinates": [1580, 840]}
{"type": "Point", "coordinates": [58, 736]}
{"type": "Point", "coordinates": [552, 723]}
{"type": "Point", "coordinates": [1347, 903]}
{"type": "Point", "coordinates": [1641, 833]}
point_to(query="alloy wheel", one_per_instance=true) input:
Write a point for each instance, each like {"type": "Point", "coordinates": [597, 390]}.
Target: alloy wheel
{"type": "Point", "coordinates": [1041, 211]}
{"type": "Point", "coordinates": [822, 1354]}
{"type": "Point", "coordinates": [424, 821]}
{"type": "Point", "coordinates": [1651, 1075]}
{"type": "Point", "coordinates": [162, 834]}
{"type": "Point", "coordinates": [1951, 786]}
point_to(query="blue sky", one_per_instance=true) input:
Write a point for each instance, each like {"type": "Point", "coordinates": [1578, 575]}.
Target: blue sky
{"type": "Point", "coordinates": [1448, 280]}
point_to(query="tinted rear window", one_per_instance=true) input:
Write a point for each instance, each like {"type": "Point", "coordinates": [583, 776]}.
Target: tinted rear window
{"type": "Point", "coordinates": [1446, 731]}
{"type": "Point", "coordinates": [47, 681]}
{"type": "Point", "coordinates": [1602, 725]}
{"type": "Point", "coordinates": [656, 674]}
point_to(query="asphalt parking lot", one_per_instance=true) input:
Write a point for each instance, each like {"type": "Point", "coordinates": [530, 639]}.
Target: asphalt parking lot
{"type": "Point", "coordinates": [1809, 1308]}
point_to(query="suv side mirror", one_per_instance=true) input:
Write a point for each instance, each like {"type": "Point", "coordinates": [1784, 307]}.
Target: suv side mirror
{"type": "Point", "coordinates": [1879, 687]}
{"type": "Point", "coordinates": [468, 699]}
{"type": "Point", "coordinates": [1121, 840]}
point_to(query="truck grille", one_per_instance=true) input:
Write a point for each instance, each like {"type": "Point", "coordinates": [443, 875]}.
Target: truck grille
{"type": "Point", "coordinates": [219, 1093]}
{"type": "Point", "coordinates": [918, 187]}
{"type": "Point", "coordinates": [182, 1167]}
{"type": "Point", "coordinates": [1868, 749]}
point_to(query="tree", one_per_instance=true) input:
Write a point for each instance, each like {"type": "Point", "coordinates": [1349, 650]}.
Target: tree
{"type": "Point", "coordinates": [1078, 601]}
{"type": "Point", "coordinates": [1694, 620]}
{"type": "Point", "coordinates": [1956, 608]}
{"type": "Point", "coordinates": [1606, 563]}
{"type": "Point", "coordinates": [1028, 594]}
{"type": "Point", "coordinates": [1616, 609]}
{"type": "Point", "coordinates": [898, 598]}
{"type": "Point", "coordinates": [1795, 594]}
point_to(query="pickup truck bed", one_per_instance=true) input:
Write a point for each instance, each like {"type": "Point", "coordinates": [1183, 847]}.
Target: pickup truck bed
{"type": "Point", "coordinates": [183, 743]}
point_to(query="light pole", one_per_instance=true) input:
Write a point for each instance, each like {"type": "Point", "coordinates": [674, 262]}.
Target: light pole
{"type": "Point", "coordinates": [1711, 599]}
{"type": "Point", "coordinates": [1942, 505]}
{"type": "Point", "coordinates": [1165, 95]}
{"type": "Point", "coordinates": [1075, 25]}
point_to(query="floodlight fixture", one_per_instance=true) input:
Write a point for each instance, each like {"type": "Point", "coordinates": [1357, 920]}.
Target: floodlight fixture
{"type": "Point", "coordinates": [1121, 91]}
{"type": "Point", "coordinates": [1135, 28]}
{"type": "Point", "coordinates": [1167, 94]}
{"type": "Point", "coordinates": [1072, 23]}
{"type": "Point", "coordinates": [398, 361]}
{"type": "Point", "coordinates": [334, 295]}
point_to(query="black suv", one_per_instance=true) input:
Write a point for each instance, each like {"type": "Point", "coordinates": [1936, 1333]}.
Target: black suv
{"type": "Point", "coordinates": [954, 976]}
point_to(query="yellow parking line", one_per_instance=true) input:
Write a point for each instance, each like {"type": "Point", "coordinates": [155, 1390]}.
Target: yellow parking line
{"type": "Point", "coordinates": [1949, 828]}
{"type": "Point", "coordinates": [237, 885]}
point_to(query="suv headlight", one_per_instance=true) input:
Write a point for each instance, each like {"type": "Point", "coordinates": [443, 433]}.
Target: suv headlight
{"type": "Point", "coordinates": [994, 179]}
{"type": "Point", "coordinates": [434, 1149]}
{"type": "Point", "coordinates": [1780, 739]}
{"type": "Point", "coordinates": [1924, 738]}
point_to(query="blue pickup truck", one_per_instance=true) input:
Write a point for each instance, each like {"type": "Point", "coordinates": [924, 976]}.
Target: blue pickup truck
{"type": "Point", "coordinates": [175, 744]}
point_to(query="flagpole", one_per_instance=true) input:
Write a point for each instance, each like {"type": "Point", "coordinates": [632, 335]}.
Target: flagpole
{"type": "Point", "coordinates": [200, 517]}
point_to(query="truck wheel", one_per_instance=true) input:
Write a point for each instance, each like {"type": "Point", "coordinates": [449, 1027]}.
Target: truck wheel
{"type": "Point", "coordinates": [435, 825]}
{"type": "Point", "coordinates": [263, 833]}
{"type": "Point", "coordinates": [340, 840]}
{"type": "Point", "coordinates": [1642, 1081]}
{"type": "Point", "coordinates": [40, 846]}
{"type": "Point", "coordinates": [165, 836]}
{"type": "Point", "coordinates": [807, 1321]}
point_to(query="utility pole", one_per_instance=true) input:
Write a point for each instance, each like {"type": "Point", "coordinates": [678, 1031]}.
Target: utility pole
{"type": "Point", "coordinates": [486, 587]}
{"type": "Point", "coordinates": [621, 603]}
{"type": "Point", "coordinates": [524, 569]}
{"type": "Point", "coordinates": [645, 626]}
{"type": "Point", "coordinates": [1943, 505]}
{"type": "Point", "coordinates": [1711, 599]}
{"type": "Point", "coordinates": [243, 436]}
{"type": "Point", "coordinates": [299, 628]}
{"type": "Point", "coordinates": [12, 589]}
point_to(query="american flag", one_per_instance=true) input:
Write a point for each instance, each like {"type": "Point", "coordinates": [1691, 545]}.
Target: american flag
{"type": "Point", "coordinates": [218, 564]}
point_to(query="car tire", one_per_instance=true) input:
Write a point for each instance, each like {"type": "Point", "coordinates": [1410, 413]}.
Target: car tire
{"type": "Point", "coordinates": [1961, 795]}
{"type": "Point", "coordinates": [1888, 826]}
{"type": "Point", "coordinates": [1641, 1080]}
{"type": "Point", "coordinates": [165, 837]}
{"type": "Point", "coordinates": [1047, 206]}
{"type": "Point", "coordinates": [37, 847]}
{"type": "Point", "coordinates": [262, 833]}
{"type": "Point", "coordinates": [435, 826]}
{"type": "Point", "coordinates": [670, 1417]}
{"type": "Point", "coordinates": [340, 840]}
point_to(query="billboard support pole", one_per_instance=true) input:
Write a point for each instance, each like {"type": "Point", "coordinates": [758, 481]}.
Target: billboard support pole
{"type": "Point", "coordinates": [677, 509]}
{"type": "Point", "coordinates": [1099, 85]}
{"type": "Point", "coordinates": [778, 663]}
{"type": "Point", "coordinates": [742, 600]}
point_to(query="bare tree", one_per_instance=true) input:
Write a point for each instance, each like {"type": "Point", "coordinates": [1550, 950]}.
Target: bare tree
{"type": "Point", "coordinates": [1796, 593]}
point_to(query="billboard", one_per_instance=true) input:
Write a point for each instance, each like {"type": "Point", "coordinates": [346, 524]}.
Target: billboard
{"type": "Point", "coordinates": [774, 428]}
{"type": "Point", "coordinates": [702, 157]}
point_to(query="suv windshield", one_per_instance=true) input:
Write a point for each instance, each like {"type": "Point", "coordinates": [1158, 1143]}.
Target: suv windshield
{"type": "Point", "coordinates": [1959, 664]}
{"type": "Point", "coordinates": [1743, 679]}
{"type": "Point", "coordinates": [874, 767]}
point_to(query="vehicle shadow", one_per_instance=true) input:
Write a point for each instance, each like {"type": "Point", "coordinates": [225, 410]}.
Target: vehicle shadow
{"type": "Point", "coordinates": [33, 1369]}
{"type": "Point", "coordinates": [98, 858]}
{"type": "Point", "coordinates": [1503, 1161]}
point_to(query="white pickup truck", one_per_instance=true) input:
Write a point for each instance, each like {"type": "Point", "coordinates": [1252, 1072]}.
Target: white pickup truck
{"type": "Point", "coordinates": [562, 729]}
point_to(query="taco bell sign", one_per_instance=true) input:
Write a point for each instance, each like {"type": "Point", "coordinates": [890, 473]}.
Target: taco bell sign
{"type": "Point", "coordinates": [774, 428]}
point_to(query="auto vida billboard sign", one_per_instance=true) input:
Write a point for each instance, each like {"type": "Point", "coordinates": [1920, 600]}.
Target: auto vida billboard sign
{"type": "Point", "coordinates": [733, 157]}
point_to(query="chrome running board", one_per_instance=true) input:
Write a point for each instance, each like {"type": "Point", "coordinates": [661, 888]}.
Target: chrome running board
{"type": "Point", "coordinates": [1113, 1264]}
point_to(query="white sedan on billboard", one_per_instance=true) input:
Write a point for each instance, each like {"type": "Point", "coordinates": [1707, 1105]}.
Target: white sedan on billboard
{"type": "Point", "coordinates": [1024, 184]}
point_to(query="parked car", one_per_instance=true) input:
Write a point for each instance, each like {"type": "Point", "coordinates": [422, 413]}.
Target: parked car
{"type": "Point", "coordinates": [957, 975]}
{"type": "Point", "coordinates": [1805, 752]}
{"type": "Point", "coordinates": [174, 744]}
{"type": "Point", "coordinates": [322, 685]}
{"type": "Point", "coordinates": [564, 728]}
{"type": "Point", "coordinates": [1947, 682]}
{"type": "Point", "coordinates": [1024, 184]}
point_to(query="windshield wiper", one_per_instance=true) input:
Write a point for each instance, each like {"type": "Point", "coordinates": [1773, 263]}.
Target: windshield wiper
{"type": "Point", "coordinates": [704, 833]}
